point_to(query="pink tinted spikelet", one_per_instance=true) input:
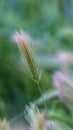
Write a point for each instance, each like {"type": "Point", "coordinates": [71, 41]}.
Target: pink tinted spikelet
{"type": "Point", "coordinates": [24, 43]}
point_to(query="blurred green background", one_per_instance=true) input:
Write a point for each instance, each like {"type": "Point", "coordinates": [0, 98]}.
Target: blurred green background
{"type": "Point", "coordinates": [50, 24]}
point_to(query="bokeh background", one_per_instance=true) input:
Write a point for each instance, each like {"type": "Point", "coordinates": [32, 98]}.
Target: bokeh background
{"type": "Point", "coordinates": [50, 24]}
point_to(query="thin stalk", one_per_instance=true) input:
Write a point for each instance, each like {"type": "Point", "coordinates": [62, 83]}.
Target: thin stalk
{"type": "Point", "coordinates": [42, 98]}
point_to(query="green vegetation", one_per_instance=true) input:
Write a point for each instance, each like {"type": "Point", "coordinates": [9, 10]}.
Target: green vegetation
{"type": "Point", "coordinates": [50, 26]}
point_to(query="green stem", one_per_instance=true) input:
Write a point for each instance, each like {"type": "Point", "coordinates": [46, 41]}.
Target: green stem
{"type": "Point", "coordinates": [42, 98]}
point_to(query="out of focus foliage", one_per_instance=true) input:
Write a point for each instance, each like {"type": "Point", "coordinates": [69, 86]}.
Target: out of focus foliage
{"type": "Point", "coordinates": [50, 23]}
